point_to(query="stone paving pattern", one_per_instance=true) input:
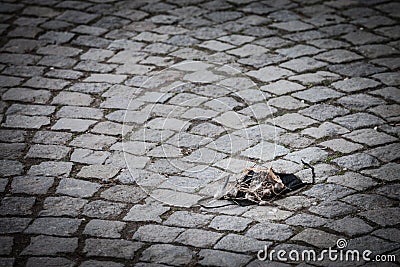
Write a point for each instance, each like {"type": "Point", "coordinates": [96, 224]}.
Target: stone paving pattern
{"type": "Point", "coordinates": [329, 70]}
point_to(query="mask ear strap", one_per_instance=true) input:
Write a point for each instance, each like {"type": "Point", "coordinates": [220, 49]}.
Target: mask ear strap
{"type": "Point", "coordinates": [312, 170]}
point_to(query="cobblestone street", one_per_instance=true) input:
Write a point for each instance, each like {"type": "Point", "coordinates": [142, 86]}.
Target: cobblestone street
{"type": "Point", "coordinates": [118, 118]}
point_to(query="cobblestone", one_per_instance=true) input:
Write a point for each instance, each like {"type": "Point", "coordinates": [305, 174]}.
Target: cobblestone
{"type": "Point", "coordinates": [54, 226]}
{"type": "Point", "coordinates": [31, 185]}
{"type": "Point", "coordinates": [168, 254]}
{"type": "Point", "coordinates": [116, 248]}
{"type": "Point", "coordinates": [54, 245]}
{"type": "Point", "coordinates": [97, 121]}
{"type": "Point", "coordinates": [77, 188]}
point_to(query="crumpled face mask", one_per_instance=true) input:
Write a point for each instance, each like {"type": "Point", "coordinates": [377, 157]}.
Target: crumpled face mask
{"type": "Point", "coordinates": [260, 186]}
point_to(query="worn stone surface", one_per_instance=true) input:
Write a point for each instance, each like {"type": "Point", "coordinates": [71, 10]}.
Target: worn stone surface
{"type": "Point", "coordinates": [121, 120]}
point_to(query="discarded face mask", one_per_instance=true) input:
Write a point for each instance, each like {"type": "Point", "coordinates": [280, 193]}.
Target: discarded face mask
{"type": "Point", "coordinates": [260, 186]}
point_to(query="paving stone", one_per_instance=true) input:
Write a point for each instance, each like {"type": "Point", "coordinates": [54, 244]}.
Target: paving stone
{"type": "Point", "coordinates": [93, 141]}
{"type": "Point", "coordinates": [317, 238]}
{"type": "Point", "coordinates": [298, 51]}
{"type": "Point", "coordinates": [103, 172]}
{"type": "Point", "coordinates": [220, 258]}
{"type": "Point", "coordinates": [386, 153]}
{"type": "Point", "coordinates": [230, 223]}
{"type": "Point", "coordinates": [51, 138]}
{"type": "Point", "coordinates": [326, 129]}
{"type": "Point", "coordinates": [188, 219]}
{"type": "Point", "coordinates": [110, 128]}
{"type": "Point", "coordinates": [54, 245]}
{"type": "Point", "coordinates": [248, 50]}
{"type": "Point", "coordinates": [54, 226]}
{"type": "Point", "coordinates": [168, 254]}
{"type": "Point", "coordinates": [341, 145]}
{"type": "Point", "coordinates": [386, 111]}
{"type": "Point", "coordinates": [388, 190]}
{"type": "Point", "coordinates": [51, 168]}
{"type": "Point", "coordinates": [332, 209]}
{"type": "Point", "coordinates": [31, 184]}
{"type": "Point", "coordinates": [30, 110]}
{"type": "Point", "coordinates": [72, 98]}
{"type": "Point", "coordinates": [391, 93]}
{"type": "Point", "coordinates": [368, 201]}
{"type": "Point", "coordinates": [352, 180]}
{"type": "Point", "coordinates": [26, 122]}
{"type": "Point", "coordinates": [293, 121]}
{"type": "Point", "coordinates": [12, 136]}
{"type": "Point", "coordinates": [350, 226]}
{"type": "Point", "coordinates": [317, 94]}
{"type": "Point", "coordinates": [268, 74]}
{"type": "Point", "coordinates": [233, 120]}
{"type": "Point", "coordinates": [3, 184]}
{"type": "Point", "coordinates": [145, 213]}
{"type": "Point", "coordinates": [360, 102]}
{"type": "Point", "coordinates": [77, 16]}
{"type": "Point", "coordinates": [338, 56]}
{"type": "Point", "coordinates": [216, 45]}
{"type": "Point", "coordinates": [355, 69]}
{"type": "Point", "coordinates": [89, 156]}
{"type": "Point", "coordinates": [6, 245]}
{"type": "Point", "coordinates": [303, 64]}
{"type": "Point", "coordinates": [116, 248]}
{"type": "Point", "coordinates": [10, 168]}
{"type": "Point", "coordinates": [176, 198]}
{"type": "Point", "coordinates": [370, 137]}
{"type": "Point", "coordinates": [294, 140]}
{"type": "Point", "coordinates": [17, 205]}
{"type": "Point", "coordinates": [307, 220]}
{"type": "Point", "coordinates": [241, 244]}
{"type": "Point", "coordinates": [198, 238]}
{"type": "Point", "coordinates": [122, 193]}
{"type": "Point", "coordinates": [60, 206]}
{"type": "Point", "coordinates": [44, 261]}
{"type": "Point", "coordinates": [386, 172]}
{"type": "Point", "coordinates": [328, 192]}
{"type": "Point", "coordinates": [309, 154]}
{"type": "Point", "coordinates": [12, 151]}
{"type": "Point", "coordinates": [89, 88]}
{"type": "Point", "coordinates": [47, 151]}
{"type": "Point", "coordinates": [318, 77]}
{"type": "Point", "coordinates": [103, 228]}
{"type": "Point", "coordinates": [270, 231]}
{"type": "Point", "coordinates": [110, 78]}
{"type": "Point", "coordinates": [388, 78]}
{"type": "Point", "coordinates": [362, 37]}
{"type": "Point", "coordinates": [77, 188]}
{"type": "Point", "coordinates": [11, 225]}
{"type": "Point", "coordinates": [377, 245]}
{"type": "Point", "coordinates": [286, 102]}
{"type": "Point", "coordinates": [292, 26]}
{"type": "Point", "coordinates": [358, 120]}
{"type": "Point", "coordinates": [46, 83]}
{"type": "Point", "coordinates": [79, 112]}
{"type": "Point", "coordinates": [357, 161]}
{"type": "Point", "coordinates": [294, 202]}
{"type": "Point", "coordinates": [266, 214]}
{"type": "Point", "coordinates": [159, 233]}
{"type": "Point", "coordinates": [263, 151]}
{"type": "Point", "coordinates": [388, 233]}
{"type": "Point", "coordinates": [233, 165]}
{"type": "Point", "coordinates": [355, 84]}
{"type": "Point", "coordinates": [103, 209]}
